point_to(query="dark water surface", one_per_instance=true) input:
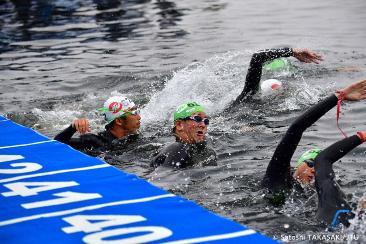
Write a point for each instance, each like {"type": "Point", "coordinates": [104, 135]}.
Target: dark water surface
{"type": "Point", "coordinates": [61, 59]}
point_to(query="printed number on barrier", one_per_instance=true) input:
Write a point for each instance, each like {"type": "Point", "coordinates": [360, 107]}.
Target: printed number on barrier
{"type": "Point", "coordinates": [24, 167]}
{"type": "Point", "coordinates": [22, 188]}
{"type": "Point", "coordinates": [94, 223]}
{"type": "Point", "coordinates": [25, 189]}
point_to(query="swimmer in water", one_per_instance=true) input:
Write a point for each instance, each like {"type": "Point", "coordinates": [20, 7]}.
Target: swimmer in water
{"type": "Point", "coordinates": [314, 168]}
{"type": "Point", "coordinates": [190, 147]}
{"type": "Point", "coordinates": [123, 123]}
{"type": "Point", "coordinates": [252, 80]}
{"type": "Point", "coordinates": [191, 121]}
{"type": "Point", "coordinates": [333, 208]}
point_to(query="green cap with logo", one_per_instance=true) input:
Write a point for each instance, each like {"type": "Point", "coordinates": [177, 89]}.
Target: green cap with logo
{"type": "Point", "coordinates": [308, 155]}
{"type": "Point", "coordinates": [186, 110]}
{"type": "Point", "coordinates": [277, 64]}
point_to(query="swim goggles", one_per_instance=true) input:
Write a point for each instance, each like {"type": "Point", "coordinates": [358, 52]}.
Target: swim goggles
{"type": "Point", "coordinates": [133, 112]}
{"type": "Point", "coordinates": [125, 112]}
{"type": "Point", "coordinates": [198, 119]}
{"type": "Point", "coordinates": [310, 163]}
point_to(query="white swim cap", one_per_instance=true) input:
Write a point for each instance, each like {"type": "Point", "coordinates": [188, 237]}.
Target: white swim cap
{"type": "Point", "coordinates": [270, 86]}
{"type": "Point", "coordinates": [116, 107]}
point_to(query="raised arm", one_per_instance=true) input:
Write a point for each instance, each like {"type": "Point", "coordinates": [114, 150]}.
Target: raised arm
{"type": "Point", "coordinates": [332, 205]}
{"type": "Point", "coordinates": [259, 58]}
{"type": "Point", "coordinates": [278, 175]}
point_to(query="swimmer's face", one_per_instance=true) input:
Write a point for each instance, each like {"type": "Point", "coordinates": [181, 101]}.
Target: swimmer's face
{"type": "Point", "coordinates": [305, 174]}
{"type": "Point", "coordinates": [191, 131]}
{"type": "Point", "coordinates": [131, 123]}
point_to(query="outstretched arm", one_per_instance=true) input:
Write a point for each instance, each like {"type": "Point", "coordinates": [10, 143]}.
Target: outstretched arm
{"type": "Point", "coordinates": [278, 175]}
{"type": "Point", "coordinates": [335, 152]}
{"type": "Point", "coordinates": [258, 59]}
{"type": "Point", "coordinates": [330, 197]}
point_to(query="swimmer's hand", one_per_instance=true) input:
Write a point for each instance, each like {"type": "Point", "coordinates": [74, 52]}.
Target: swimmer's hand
{"type": "Point", "coordinates": [353, 92]}
{"type": "Point", "coordinates": [81, 126]}
{"type": "Point", "coordinates": [306, 56]}
{"type": "Point", "coordinates": [362, 136]}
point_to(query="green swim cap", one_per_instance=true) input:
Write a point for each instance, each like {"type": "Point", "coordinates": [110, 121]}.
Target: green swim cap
{"type": "Point", "coordinates": [308, 155]}
{"type": "Point", "coordinates": [186, 110]}
{"type": "Point", "coordinates": [277, 64]}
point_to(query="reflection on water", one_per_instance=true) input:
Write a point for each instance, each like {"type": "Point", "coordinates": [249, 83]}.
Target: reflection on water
{"type": "Point", "coordinates": [60, 60]}
{"type": "Point", "coordinates": [118, 19]}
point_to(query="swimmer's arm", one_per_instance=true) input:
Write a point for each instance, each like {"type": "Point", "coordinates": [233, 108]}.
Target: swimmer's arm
{"type": "Point", "coordinates": [255, 69]}
{"type": "Point", "coordinates": [353, 92]}
{"type": "Point", "coordinates": [65, 135]}
{"type": "Point", "coordinates": [325, 159]}
{"type": "Point", "coordinates": [278, 175]}
{"type": "Point", "coordinates": [330, 197]}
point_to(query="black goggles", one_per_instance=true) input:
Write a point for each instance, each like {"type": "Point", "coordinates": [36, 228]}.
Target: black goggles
{"type": "Point", "coordinates": [310, 163]}
{"type": "Point", "coordinates": [199, 119]}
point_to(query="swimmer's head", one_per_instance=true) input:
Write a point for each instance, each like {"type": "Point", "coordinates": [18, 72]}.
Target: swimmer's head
{"type": "Point", "coordinates": [278, 64]}
{"type": "Point", "coordinates": [270, 87]}
{"type": "Point", "coordinates": [186, 110]}
{"type": "Point", "coordinates": [117, 107]}
{"type": "Point", "coordinates": [190, 123]}
{"type": "Point", "coordinates": [121, 114]}
{"type": "Point", "coordinates": [305, 172]}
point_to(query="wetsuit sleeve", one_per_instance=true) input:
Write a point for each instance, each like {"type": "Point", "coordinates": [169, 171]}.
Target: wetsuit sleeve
{"type": "Point", "coordinates": [332, 206]}
{"type": "Point", "coordinates": [278, 175]}
{"type": "Point", "coordinates": [255, 70]}
{"type": "Point", "coordinates": [65, 135]}
{"type": "Point", "coordinates": [86, 141]}
{"type": "Point", "coordinates": [175, 155]}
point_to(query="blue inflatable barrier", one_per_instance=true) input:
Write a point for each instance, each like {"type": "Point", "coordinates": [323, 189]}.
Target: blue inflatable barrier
{"type": "Point", "coordinates": [51, 193]}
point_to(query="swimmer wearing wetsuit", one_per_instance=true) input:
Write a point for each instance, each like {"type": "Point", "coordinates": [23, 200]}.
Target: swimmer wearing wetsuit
{"type": "Point", "coordinates": [187, 152]}
{"type": "Point", "coordinates": [123, 121]}
{"type": "Point", "coordinates": [259, 58]}
{"type": "Point", "coordinates": [333, 208]}
{"type": "Point", "coordinates": [190, 147]}
{"type": "Point", "coordinates": [278, 179]}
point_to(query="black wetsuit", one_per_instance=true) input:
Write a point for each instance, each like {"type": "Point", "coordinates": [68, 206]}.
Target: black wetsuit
{"type": "Point", "coordinates": [182, 155]}
{"type": "Point", "coordinates": [96, 144]}
{"type": "Point", "coordinates": [332, 205]}
{"type": "Point", "coordinates": [254, 74]}
{"type": "Point", "coordinates": [278, 178]}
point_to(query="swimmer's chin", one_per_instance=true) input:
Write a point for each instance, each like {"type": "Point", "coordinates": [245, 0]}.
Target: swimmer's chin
{"type": "Point", "coordinates": [305, 184]}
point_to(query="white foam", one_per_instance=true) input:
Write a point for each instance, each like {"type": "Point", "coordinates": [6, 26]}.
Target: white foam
{"type": "Point", "coordinates": [213, 84]}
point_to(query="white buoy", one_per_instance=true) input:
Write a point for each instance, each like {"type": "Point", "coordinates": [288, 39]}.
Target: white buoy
{"type": "Point", "coordinates": [270, 86]}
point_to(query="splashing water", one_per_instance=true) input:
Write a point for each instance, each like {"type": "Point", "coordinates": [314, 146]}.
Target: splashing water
{"type": "Point", "coordinates": [213, 84]}
{"type": "Point", "coordinates": [216, 82]}
{"type": "Point", "coordinates": [356, 232]}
